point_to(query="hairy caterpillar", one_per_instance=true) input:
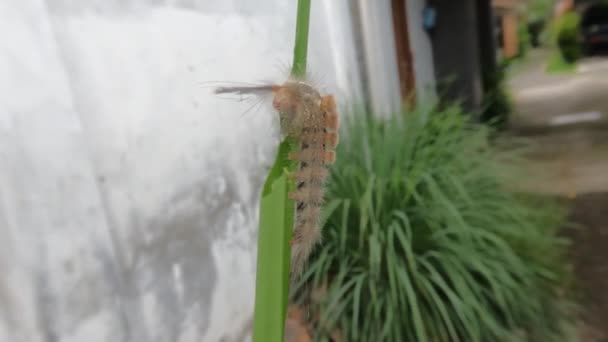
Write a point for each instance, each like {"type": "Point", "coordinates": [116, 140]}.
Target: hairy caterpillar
{"type": "Point", "coordinates": [312, 120]}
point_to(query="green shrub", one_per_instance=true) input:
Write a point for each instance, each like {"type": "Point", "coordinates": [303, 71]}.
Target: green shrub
{"type": "Point", "coordinates": [424, 242]}
{"type": "Point", "coordinates": [557, 64]}
{"type": "Point", "coordinates": [497, 103]}
{"type": "Point", "coordinates": [568, 36]}
{"type": "Point", "coordinates": [538, 12]}
{"type": "Point", "coordinates": [524, 40]}
{"type": "Point", "coordinates": [539, 9]}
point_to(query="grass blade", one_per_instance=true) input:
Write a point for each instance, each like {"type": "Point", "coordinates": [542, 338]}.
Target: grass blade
{"type": "Point", "coordinates": [276, 220]}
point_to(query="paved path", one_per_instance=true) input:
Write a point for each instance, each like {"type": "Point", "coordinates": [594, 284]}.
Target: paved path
{"type": "Point", "coordinates": [567, 117]}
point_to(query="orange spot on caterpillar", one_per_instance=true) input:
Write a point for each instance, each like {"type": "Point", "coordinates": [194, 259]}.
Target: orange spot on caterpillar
{"type": "Point", "coordinates": [330, 157]}
{"type": "Point", "coordinates": [309, 173]}
{"type": "Point", "coordinates": [293, 156]}
{"type": "Point", "coordinates": [331, 139]}
{"type": "Point", "coordinates": [316, 140]}
{"type": "Point", "coordinates": [328, 103]}
{"type": "Point", "coordinates": [309, 155]}
{"type": "Point", "coordinates": [331, 121]}
{"type": "Point", "coordinates": [328, 106]}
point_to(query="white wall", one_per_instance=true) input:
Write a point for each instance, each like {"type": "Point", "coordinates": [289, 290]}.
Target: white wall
{"type": "Point", "coordinates": [380, 56]}
{"type": "Point", "coordinates": [128, 192]}
{"type": "Point", "coordinates": [422, 52]}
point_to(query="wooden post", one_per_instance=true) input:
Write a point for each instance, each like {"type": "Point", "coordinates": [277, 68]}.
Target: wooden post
{"type": "Point", "coordinates": [510, 36]}
{"type": "Point", "coordinates": [405, 61]}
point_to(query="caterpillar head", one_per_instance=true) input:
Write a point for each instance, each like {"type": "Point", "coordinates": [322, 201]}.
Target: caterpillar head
{"type": "Point", "coordinates": [294, 100]}
{"type": "Point", "coordinates": [293, 93]}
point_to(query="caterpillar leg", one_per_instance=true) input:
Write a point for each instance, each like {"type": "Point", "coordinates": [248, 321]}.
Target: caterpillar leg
{"type": "Point", "coordinates": [331, 139]}
{"type": "Point", "coordinates": [329, 157]}
{"type": "Point", "coordinates": [328, 106]}
{"type": "Point", "coordinates": [308, 173]}
{"type": "Point", "coordinates": [293, 156]}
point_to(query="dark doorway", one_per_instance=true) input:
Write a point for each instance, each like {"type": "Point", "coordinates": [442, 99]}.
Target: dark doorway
{"type": "Point", "coordinates": [594, 29]}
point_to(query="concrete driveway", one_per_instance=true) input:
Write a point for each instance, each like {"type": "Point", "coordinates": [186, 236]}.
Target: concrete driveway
{"type": "Point", "coordinates": [566, 116]}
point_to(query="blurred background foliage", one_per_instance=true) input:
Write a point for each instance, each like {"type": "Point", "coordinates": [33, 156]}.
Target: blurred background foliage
{"type": "Point", "coordinates": [425, 239]}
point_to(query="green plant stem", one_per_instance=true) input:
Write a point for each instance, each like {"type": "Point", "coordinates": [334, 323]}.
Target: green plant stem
{"type": "Point", "coordinates": [277, 218]}
{"type": "Point", "coordinates": [300, 50]}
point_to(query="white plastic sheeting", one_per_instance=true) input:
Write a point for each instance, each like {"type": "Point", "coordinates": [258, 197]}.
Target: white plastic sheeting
{"type": "Point", "coordinates": [129, 192]}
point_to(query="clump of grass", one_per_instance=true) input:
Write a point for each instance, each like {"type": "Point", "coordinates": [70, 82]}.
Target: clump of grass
{"type": "Point", "coordinates": [568, 36]}
{"type": "Point", "coordinates": [557, 64]}
{"type": "Point", "coordinates": [425, 242]}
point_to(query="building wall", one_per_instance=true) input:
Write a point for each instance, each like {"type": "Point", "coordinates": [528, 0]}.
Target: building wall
{"type": "Point", "coordinates": [486, 32]}
{"type": "Point", "coordinates": [129, 192]}
{"type": "Point", "coordinates": [379, 56]}
{"type": "Point", "coordinates": [422, 51]}
{"type": "Point", "coordinates": [456, 52]}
